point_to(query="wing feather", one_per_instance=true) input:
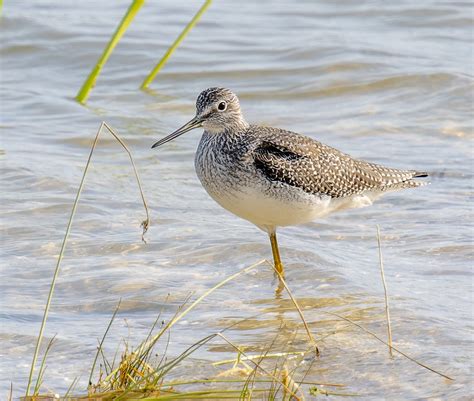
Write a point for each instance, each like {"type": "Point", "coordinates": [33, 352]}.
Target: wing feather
{"type": "Point", "coordinates": [318, 169]}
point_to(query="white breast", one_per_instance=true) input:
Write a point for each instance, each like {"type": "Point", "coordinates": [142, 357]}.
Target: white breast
{"type": "Point", "coordinates": [239, 188]}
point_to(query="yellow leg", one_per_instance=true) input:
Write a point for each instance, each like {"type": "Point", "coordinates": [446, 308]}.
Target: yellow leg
{"type": "Point", "coordinates": [276, 254]}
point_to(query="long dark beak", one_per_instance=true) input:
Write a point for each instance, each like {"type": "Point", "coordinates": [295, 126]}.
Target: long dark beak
{"type": "Point", "coordinates": [196, 122]}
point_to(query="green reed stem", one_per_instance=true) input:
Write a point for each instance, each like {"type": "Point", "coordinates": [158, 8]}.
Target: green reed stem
{"type": "Point", "coordinates": [83, 93]}
{"type": "Point", "coordinates": [176, 43]}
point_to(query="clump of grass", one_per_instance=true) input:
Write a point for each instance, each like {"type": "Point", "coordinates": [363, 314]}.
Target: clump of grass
{"type": "Point", "coordinates": [141, 373]}
{"type": "Point", "coordinates": [137, 373]}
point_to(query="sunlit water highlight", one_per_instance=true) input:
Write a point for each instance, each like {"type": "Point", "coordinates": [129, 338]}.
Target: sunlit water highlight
{"type": "Point", "coordinates": [388, 83]}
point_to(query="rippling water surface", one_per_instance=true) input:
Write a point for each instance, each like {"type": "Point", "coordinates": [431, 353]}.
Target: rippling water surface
{"type": "Point", "coordinates": [390, 83]}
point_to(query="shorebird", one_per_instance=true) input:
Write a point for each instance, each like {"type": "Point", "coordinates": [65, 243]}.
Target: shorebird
{"type": "Point", "coordinates": [273, 177]}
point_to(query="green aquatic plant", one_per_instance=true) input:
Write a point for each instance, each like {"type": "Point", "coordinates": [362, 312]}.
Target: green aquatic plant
{"type": "Point", "coordinates": [89, 83]}
{"type": "Point", "coordinates": [151, 76]}
{"type": "Point", "coordinates": [135, 6]}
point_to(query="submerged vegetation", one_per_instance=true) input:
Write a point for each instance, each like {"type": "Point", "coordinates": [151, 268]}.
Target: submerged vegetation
{"type": "Point", "coordinates": [277, 372]}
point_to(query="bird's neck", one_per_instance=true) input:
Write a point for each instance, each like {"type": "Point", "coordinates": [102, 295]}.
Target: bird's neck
{"type": "Point", "coordinates": [235, 127]}
{"type": "Point", "coordinates": [238, 127]}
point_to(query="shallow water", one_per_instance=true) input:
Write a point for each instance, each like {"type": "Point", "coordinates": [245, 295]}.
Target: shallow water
{"type": "Point", "coordinates": [387, 83]}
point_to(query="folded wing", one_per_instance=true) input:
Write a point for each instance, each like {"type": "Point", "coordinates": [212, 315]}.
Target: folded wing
{"type": "Point", "coordinates": [318, 169]}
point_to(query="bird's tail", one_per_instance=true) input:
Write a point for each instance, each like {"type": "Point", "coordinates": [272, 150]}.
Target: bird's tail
{"type": "Point", "coordinates": [409, 182]}
{"type": "Point", "coordinates": [420, 174]}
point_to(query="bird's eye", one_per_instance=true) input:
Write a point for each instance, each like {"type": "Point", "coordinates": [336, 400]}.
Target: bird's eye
{"type": "Point", "coordinates": [222, 106]}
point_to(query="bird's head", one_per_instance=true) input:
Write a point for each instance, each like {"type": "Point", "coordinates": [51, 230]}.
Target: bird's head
{"type": "Point", "coordinates": [217, 111]}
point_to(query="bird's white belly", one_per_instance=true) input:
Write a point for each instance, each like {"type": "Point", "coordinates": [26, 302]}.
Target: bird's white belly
{"type": "Point", "coordinates": [241, 189]}
{"type": "Point", "coordinates": [268, 212]}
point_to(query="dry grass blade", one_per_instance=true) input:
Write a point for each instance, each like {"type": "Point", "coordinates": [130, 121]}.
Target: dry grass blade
{"type": "Point", "coordinates": [384, 342]}
{"type": "Point", "coordinates": [251, 357]}
{"type": "Point", "coordinates": [276, 379]}
{"type": "Point", "coordinates": [249, 386]}
{"type": "Point", "coordinates": [145, 225]}
{"type": "Point", "coordinates": [178, 317]}
{"type": "Point", "coordinates": [206, 381]}
{"type": "Point", "coordinates": [165, 368]}
{"type": "Point", "coordinates": [200, 395]}
{"type": "Point", "coordinates": [143, 351]}
{"type": "Point", "coordinates": [387, 309]}
{"type": "Point", "coordinates": [287, 379]}
{"type": "Point", "coordinates": [289, 375]}
{"type": "Point", "coordinates": [71, 387]}
{"type": "Point", "coordinates": [300, 312]}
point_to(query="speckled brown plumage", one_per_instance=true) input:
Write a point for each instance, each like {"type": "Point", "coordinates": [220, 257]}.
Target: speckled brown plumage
{"type": "Point", "coordinates": [316, 168]}
{"type": "Point", "coordinates": [274, 177]}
